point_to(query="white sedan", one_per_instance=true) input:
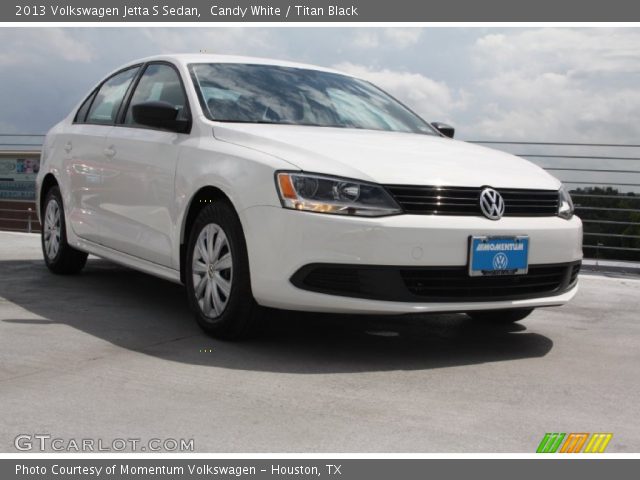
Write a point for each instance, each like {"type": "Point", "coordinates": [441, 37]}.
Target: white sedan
{"type": "Point", "coordinates": [260, 183]}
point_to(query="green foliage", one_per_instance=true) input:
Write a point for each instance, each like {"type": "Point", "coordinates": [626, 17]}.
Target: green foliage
{"type": "Point", "coordinates": [586, 199]}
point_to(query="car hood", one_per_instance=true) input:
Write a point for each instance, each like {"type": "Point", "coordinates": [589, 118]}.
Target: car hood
{"type": "Point", "coordinates": [388, 157]}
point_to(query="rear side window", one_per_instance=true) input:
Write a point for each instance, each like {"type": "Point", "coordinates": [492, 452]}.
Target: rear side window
{"type": "Point", "coordinates": [159, 82]}
{"type": "Point", "coordinates": [84, 108]}
{"type": "Point", "coordinates": [104, 108]}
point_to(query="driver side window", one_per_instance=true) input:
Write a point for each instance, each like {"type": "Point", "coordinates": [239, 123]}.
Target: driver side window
{"type": "Point", "coordinates": [159, 82]}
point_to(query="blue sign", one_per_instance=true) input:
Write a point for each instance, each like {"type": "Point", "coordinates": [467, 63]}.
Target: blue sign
{"type": "Point", "coordinates": [18, 176]}
{"type": "Point", "coordinates": [499, 255]}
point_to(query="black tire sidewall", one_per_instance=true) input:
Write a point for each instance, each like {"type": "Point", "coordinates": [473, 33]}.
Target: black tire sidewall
{"type": "Point", "coordinates": [235, 317]}
{"type": "Point", "coordinates": [54, 195]}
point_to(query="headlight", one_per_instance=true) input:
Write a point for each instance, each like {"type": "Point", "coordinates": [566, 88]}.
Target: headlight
{"type": "Point", "coordinates": [340, 196]}
{"type": "Point", "coordinates": [565, 204]}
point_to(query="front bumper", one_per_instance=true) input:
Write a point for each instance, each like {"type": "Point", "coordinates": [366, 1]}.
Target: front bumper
{"type": "Point", "coordinates": [280, 242]}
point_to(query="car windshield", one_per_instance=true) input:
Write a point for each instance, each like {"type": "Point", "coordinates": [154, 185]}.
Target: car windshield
{"type": "Point", "coordinates": [231, 92]}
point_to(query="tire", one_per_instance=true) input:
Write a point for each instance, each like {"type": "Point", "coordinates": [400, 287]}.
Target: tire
{"type": "Point", "coordinates": [501, 316]}
{"type": "Point", "coordinates": [217, 275]}
{"type": "Point", "coordinates": [59, 256]}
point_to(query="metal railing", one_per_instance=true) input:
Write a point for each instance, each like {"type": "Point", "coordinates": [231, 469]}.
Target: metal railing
{"type": "Point", "coordinates": [31, 220]}
{"type": "Point", "coordinates": [615, 177]}
{"type": "Point", "coordinates": [19, 141]}
{"type": "Point", "coordinates": [596, 174]}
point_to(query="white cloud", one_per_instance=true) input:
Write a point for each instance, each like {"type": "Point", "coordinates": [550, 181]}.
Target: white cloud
{"type": "Point", "coordinates": [593, 50]}
{"type": "Point", "coordinates": [64, 45]}
{"type": "Point", "coordinates": [236, 41]}
{"type": "Point", "coordinates": [402, 37]}
{"type": "Point", "coordinates": [397, 38]}
{"type": "Point", "coordinates": [538, 84]}
{"type": "Point", "coordinates": [38, 44]}
{"type": "Point", "coordinates": [431, 99]}
{"type": "Point", "coordinates": [366, 39]}
{"type": "Point", "coordinates": [557, 84]}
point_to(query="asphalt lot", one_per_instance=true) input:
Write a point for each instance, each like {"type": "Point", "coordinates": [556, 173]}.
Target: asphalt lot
{"type": "Point", "coordinates": [113, 353]}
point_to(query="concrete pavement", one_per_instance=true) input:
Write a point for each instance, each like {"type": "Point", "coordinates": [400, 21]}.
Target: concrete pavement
{"type": "Point", "coordinates": [112, 353]}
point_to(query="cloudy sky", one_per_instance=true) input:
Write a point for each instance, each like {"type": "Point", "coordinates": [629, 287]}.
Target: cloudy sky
{"type": "Point", "coordinates": [537, 84]}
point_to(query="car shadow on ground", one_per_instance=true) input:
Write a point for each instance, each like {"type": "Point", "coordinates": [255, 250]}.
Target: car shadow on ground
{"type": "Point", "coordinates": [149, 315]}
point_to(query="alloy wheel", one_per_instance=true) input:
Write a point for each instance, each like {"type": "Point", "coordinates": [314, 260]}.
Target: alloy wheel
{"type": "Point", "coordinates": [52, 229]}
{"type": "Point", "coordinates": [212, 270]}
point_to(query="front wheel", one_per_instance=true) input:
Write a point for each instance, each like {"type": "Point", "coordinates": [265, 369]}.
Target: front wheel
{"type": "Point", "coordinates": [501, 316]}
{"type": "Point", "coordinates": [217, 274]}
{"type": "Point", "coordinates": [59, 256]}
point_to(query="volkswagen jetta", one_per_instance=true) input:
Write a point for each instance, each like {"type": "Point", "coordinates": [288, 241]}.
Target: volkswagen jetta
{"type": "Point", "coordinates": [259, 183]}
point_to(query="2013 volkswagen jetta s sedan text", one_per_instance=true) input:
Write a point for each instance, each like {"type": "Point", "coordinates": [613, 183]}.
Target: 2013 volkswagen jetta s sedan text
{"type": "Point", "coordinates": [260, 183]}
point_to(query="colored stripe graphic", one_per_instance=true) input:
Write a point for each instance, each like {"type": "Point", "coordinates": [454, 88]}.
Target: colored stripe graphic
{"type": "Point", "coordinates": [598, 442]}
{"type": "Point", "coordinates": [550, 442]}
{"type": "Point", "coordinates": [574, 442]}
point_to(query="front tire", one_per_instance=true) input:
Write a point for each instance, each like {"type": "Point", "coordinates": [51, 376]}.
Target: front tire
{"type": "Point", "coordinates": [501, 316]}
{"type": "Point", "coordinates": [217, 275]}
{"type": "Point", "coordinates": [59, 256]}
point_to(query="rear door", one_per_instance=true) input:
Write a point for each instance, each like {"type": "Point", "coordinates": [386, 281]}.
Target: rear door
{"type": "Point", "coordinates": [139, 199]}
{"type": "Point", "coordinates": [84, 153]}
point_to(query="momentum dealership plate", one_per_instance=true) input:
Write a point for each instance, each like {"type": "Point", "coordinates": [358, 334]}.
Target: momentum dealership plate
{"type": "Point", "coordinates": [498, 255]}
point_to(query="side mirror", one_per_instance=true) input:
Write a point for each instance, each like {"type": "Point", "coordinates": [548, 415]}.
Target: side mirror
{"type": "Point", "coordinates": [444, 129]}
{"type": "Point", "coordinates": [159, 115]}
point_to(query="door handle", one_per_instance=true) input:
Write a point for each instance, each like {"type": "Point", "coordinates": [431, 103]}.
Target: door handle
{"type": "Point", "coordinates": [68, 146]}
{"type": "Point", "coordinates": [110, 152]}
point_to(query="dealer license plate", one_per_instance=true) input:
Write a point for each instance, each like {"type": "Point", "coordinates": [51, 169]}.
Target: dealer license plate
{"type": "Point", "coordinates": [498, 255]}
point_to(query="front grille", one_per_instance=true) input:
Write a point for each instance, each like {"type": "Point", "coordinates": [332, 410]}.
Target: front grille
{"type": "Point", "coordinates": [575, 269]}
{"type": "Point", "coordinates": [334, 279]}
{"type": "Point", "coordinates": [434, 284]}
{"type": "Point", "coordinates": [455, 283]}
{"type": "Point", "coordinates": [426, 200]}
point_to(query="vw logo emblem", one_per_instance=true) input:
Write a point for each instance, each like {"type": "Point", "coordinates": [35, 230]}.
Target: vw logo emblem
{"type": "Point", "coordinates": [491, 204]}
{"type": "Point", "coordinates": [500, 261]}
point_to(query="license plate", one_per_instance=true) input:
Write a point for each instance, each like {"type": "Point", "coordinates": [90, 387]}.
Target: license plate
{"type": "Point", "coordinates": [498, 255]}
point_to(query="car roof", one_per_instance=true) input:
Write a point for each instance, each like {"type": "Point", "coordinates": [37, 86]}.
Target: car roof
{"type": "Point", "coordinates": [187, 58]}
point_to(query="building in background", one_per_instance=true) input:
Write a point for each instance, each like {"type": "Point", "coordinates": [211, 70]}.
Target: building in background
{"type": "Point", "coordinates": [19, 165]}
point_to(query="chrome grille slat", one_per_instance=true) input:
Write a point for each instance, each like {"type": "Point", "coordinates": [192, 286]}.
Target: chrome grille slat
{"type": "Point", "coordinates": [431, 200]}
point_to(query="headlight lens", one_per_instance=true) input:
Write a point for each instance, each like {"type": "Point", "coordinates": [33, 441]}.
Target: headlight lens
{"type": "Point", "coordinates": [565, 204]}
{"type": "Point", "coordinates": [339, 196]}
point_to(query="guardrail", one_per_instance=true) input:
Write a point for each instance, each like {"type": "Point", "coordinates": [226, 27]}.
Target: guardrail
{"type": "Point", "coordinates": [604, 180]}
{"type": "Point", "coordinates": [31, 220]}
{"type": "Point", "coordinates": [9, 141]}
